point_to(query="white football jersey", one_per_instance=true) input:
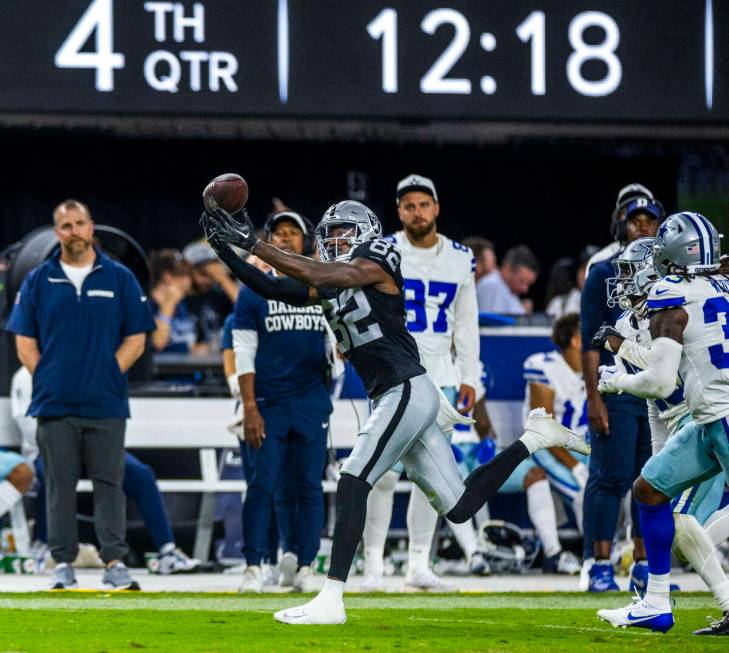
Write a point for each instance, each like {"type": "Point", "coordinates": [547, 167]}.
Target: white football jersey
{"type": "Point", "coordinates": [704, 364]}
{"type": "Point", "coordinates": [672, 409]}
{"type": "Point", "coordinates": [570, 401]}
{"type": "Point", "coordinates": [441, 309]}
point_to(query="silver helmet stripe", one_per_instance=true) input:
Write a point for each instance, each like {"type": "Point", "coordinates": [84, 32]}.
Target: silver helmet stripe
{"type": "Point", "coordinates": [705, 244]}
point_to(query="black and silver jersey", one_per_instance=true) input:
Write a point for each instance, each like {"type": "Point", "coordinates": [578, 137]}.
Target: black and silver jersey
{"type": "Point", "coordinates": [370, 325]}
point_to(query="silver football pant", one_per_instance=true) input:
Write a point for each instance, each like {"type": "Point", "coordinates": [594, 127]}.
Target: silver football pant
{"type": "Point", "coordinates": [402, 426]}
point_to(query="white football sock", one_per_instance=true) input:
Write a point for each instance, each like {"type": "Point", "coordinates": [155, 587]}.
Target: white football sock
{"type": "Point", "coordinates": [465, 534]}
{"type": "Point", "coordinates": [422, 520]}
{"type": "Point", "coordinates": [332, 591]}
{"type": "Point", "coordinates": [658, 593]}
{"type": "Point", "coordinates": [9, 496]}
{"type": "Point", "coordinates": [21, 532]}
{"type": "Point", "coordinates": [717, 526]}
{"type": "Point", "coordinates": [696, 545]}
{"type": "Point", "coordinates": [379, 514]}
{"type": "Point", "coordinates": [540, 507]}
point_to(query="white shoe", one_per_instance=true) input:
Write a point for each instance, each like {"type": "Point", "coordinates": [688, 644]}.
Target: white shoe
{"type": "Point", "coordinates": [305, 580]}
{"type": "Point", "coordinates": [639, 614]}
{"type": "Point", "coordinates": [546, 432]}
{"type": "Point", "coordinates": [176, 561]}
{"type": "Point", "coordinates": [584, 582]}
{"type": "Point", "coordinates": [287, 566]}
{"type": "Point", "coordinates": [252, 580]}
{"type": "Point", "coordinates": [318, 611]}
{"type": "Point", "coordinates": [565, 562]}
{"type": "Point", "coordinates": [428, 582]}
{"type": "Point", "coordinates": [372, 583]}
{"type": "Point", "coordinates": [269, 574]}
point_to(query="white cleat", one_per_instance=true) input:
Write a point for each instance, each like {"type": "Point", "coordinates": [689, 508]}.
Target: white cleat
{"type": "Point", "coordinates": [546, 432]}
{"type": "Point", "coordinates": [372, 583]}
{"type": "Point", "coordinates": [427, 581]}
{"type": "Point", "coordinates": [319, 611]}
{"type": "Point", "coordinates": [287, 566]}
{"type": "Point", "coordinates": [639, 614]}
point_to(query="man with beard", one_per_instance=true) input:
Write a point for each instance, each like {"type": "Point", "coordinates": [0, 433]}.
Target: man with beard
{"type": "Point", "coordinates": [442, 316]}
{"type": "Point", "coordinates": [80, 321]}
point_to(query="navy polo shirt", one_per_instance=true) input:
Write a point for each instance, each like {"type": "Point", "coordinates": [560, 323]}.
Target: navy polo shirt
{"type": "Point", "coordinates": [78, 335]}
{"type": "Point", "coordinates": [291, 356]}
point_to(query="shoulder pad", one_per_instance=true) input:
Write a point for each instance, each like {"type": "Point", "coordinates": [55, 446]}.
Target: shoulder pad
{"type": "Point", "coordinates": [669, 292]}
{"type": "Point", "coordinates": [386, 254]}
{"type": "Point", "coordinates": [535, 369]}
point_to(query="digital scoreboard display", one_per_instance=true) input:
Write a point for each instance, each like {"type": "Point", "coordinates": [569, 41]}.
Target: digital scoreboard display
{"type": "Point", "coordinates": [627, 61]}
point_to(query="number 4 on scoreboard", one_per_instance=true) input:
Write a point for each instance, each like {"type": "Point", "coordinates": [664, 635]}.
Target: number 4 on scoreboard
{"type": "Point", "coordinates": [99, 18]}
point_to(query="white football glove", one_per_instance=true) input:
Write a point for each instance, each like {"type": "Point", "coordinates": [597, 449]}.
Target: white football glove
{"type": "Point", "coordinates": [609, 376]}
{"type": "Point", "coordinates": [235, 424]}
{"type": "Point", "coordinates": [581, 474]}
{"type": "Point", "coordinates": [234, 386]}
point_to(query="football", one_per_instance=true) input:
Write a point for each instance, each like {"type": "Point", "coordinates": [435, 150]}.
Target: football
{"type": "Point", "coordinates": [228, 191]}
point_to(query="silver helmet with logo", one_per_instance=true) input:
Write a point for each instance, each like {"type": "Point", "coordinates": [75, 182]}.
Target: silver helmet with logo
{"type": "Point", "coordinates": [687, 243]}
{"type": "Point", "coordinates": [344, 226]}
{"type": "Point", "coordinates": [634, 274]}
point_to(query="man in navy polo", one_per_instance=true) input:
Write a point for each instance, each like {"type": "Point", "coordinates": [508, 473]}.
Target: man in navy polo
{"type": "Point", "coordinates": [80, 321]}
{"type": "Point", "coordinates": [281, 363]}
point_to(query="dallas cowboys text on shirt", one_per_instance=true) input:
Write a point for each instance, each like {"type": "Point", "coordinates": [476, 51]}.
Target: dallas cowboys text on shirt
{"type": "Point", "coordinates": [283, 317]}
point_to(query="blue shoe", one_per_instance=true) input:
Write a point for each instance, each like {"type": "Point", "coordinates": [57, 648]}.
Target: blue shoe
{"type": "Point", "coordinates": [602, 579]}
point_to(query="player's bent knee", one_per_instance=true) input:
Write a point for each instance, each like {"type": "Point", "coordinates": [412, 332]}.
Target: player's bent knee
{"type": "Point", "coordinates": [534, 475]}
{"type": "Point", "coordinates": [644, 492]}
{"type": "Point", "coordinates": [21, 477]}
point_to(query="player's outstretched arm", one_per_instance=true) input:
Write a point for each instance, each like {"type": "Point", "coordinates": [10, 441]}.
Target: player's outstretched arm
{"type": "Point", "coordinates": [282, 289]}
{"type": "Point", "coordinates": [355, 274]}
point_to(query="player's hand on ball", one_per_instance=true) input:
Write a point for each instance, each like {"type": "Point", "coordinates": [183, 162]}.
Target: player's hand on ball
{"type": "Point", "coordinates": [232, 231]}
{"type": "Point", "coordinates": [609, 378]}
{"type": "Point", "coordinates": [606, 337]}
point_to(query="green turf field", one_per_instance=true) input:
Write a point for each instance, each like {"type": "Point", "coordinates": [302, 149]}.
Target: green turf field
{"type": "Point", "coordinates": [537, 623]}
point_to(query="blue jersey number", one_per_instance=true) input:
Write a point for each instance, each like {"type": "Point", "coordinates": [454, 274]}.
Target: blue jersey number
{"type": "Point", "coordinates": [713, 308]}
{"type": "Point", "coordinates": [415, 304]}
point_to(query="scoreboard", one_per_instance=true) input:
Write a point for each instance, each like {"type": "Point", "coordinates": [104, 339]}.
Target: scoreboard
{"type": "Point", "coordinates": [608, 61]}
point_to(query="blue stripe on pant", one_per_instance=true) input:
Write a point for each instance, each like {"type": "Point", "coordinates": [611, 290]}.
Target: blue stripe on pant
{"type": "Point", "coordinates": [287, 470]}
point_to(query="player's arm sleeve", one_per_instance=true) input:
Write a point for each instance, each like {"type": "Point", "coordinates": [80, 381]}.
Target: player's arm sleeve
{"type": "Point", "coordinates": [659, 430]}
{"type": "Point", "coordinates": [245, 346]}
{"type": "Point", "coordinates": [285, 289]}
{"type": "Point", "coordinates": [634, 353]}
{"type": "Point", "coordinates": [535, 371]}
{"type": "Point", "coordinates": [658, 379]}
{"type": "Point", "coordinates": [465, 333]}
{"type": "Point", "coordinates": [245, 332]}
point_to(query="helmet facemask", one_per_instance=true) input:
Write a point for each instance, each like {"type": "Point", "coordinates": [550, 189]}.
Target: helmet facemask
{"type": "Point", "coordinates": [634, 275]}
{"type": "Point", "coordinates": [337, 240]}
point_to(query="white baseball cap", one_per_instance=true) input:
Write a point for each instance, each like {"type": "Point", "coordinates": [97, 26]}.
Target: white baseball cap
{"type": "Point", "coordinates": [415, 183]}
